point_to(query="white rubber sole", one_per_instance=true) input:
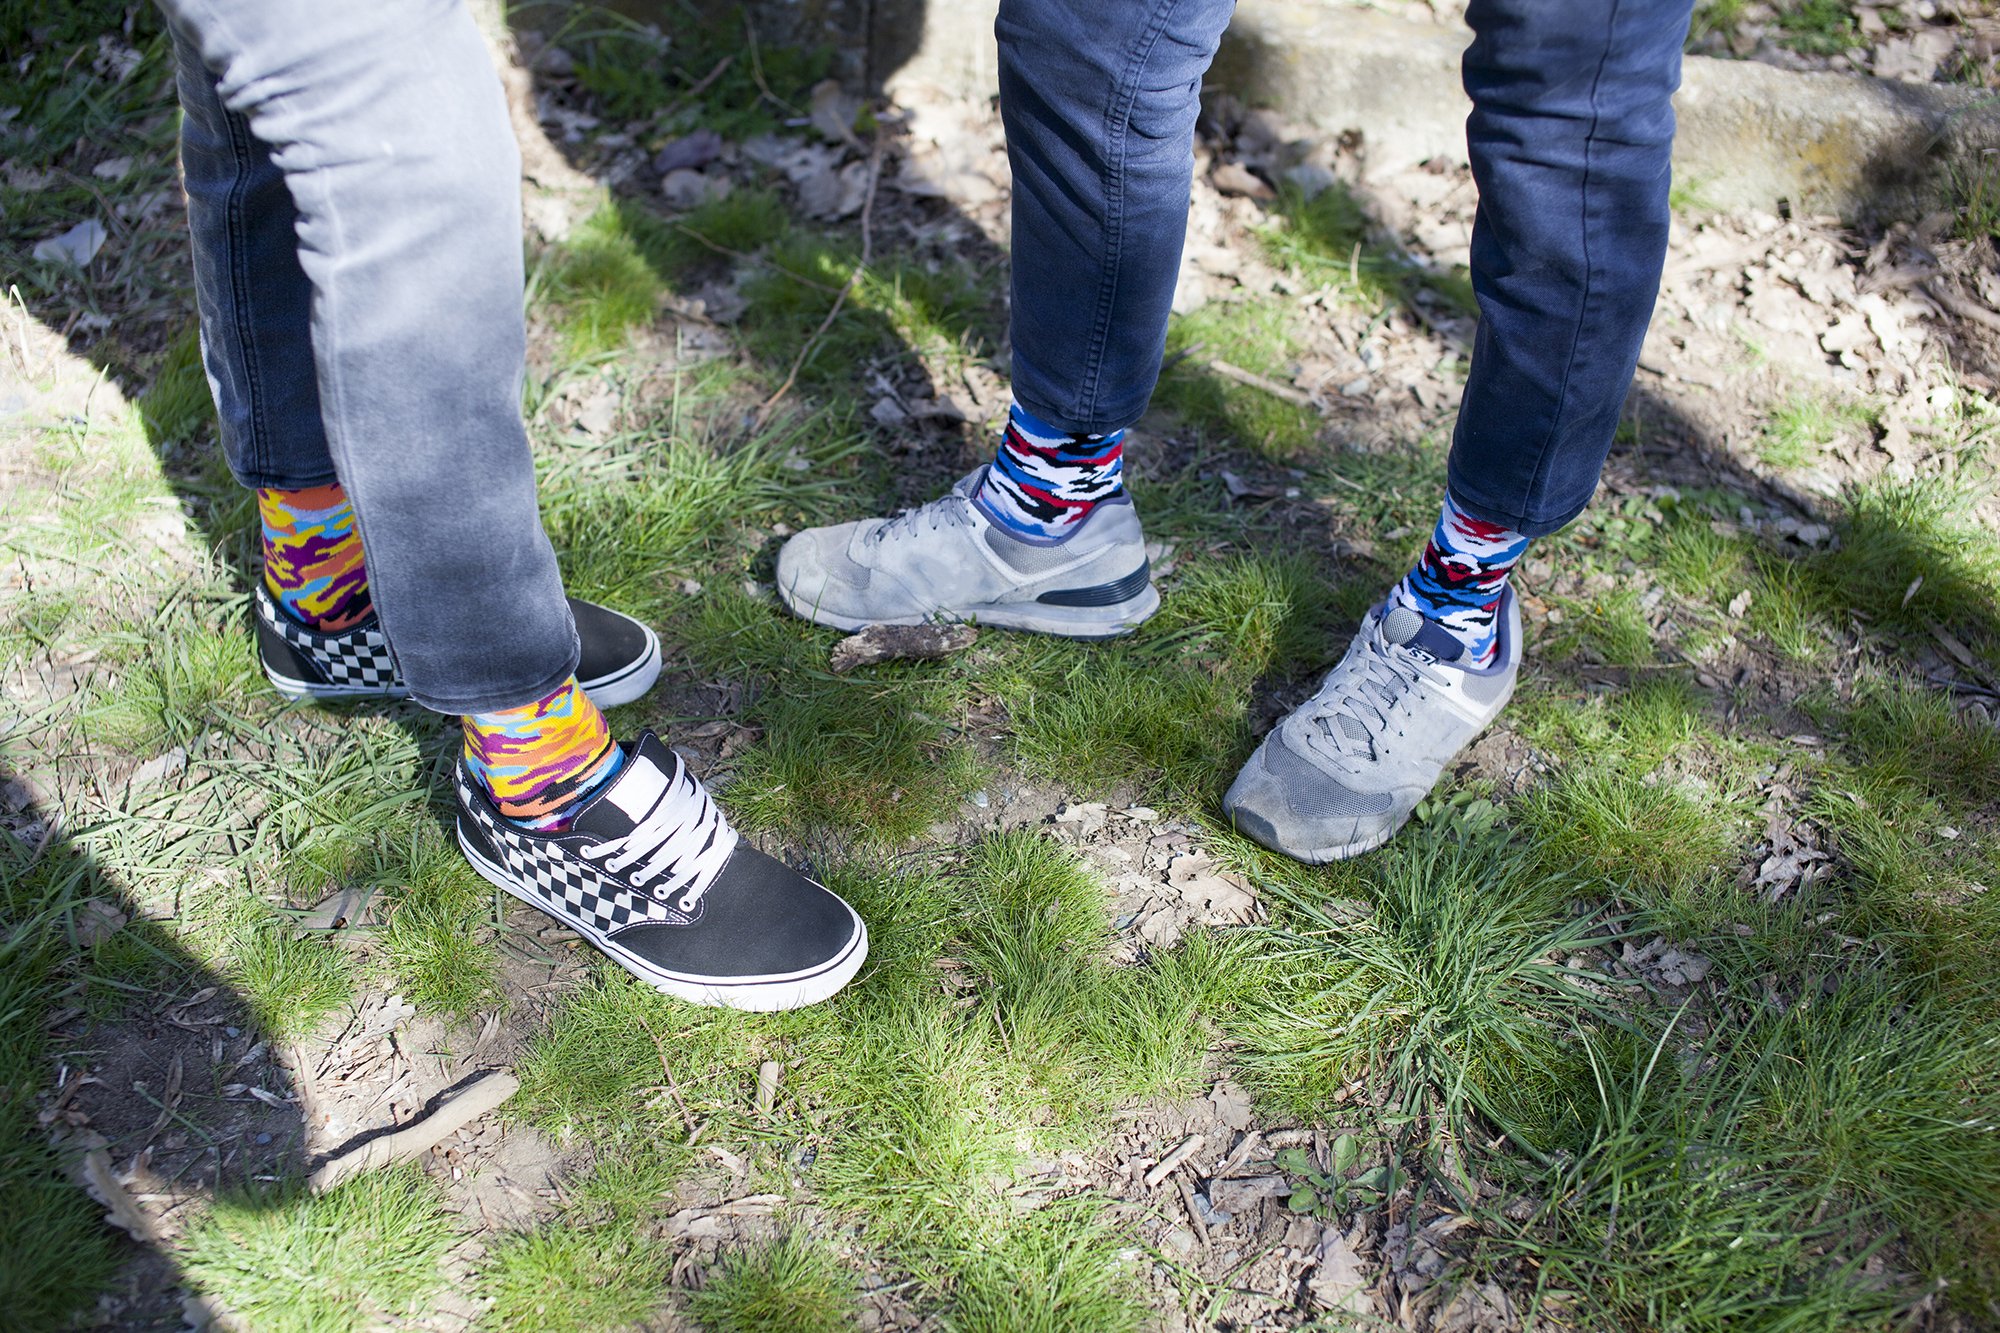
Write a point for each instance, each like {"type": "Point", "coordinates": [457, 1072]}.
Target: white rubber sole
{"type": "Point", "coordinates": [307, 689]}
{"type": "Point", "coordinates": [621, 687]}
{"type": "Point", "coordinates": [761, 994]}
{"type": "Point", "coordinates": [630, 684]}
{"type": "Point", "coordinates": [1067, 622]}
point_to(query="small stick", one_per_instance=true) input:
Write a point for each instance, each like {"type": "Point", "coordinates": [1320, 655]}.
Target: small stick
{"type": "Point", "coordinates": [1239, 1155]}
{"type": "Point", "coordinates": [846, 288]}
{"type": "Point", "coordinates": [709, 78]}
{"type": "Point", "coordinates": [1961, 306]}
{"type": "Point", "coordinates": [1193, 1210]}
{"type": "Point", "coordinates": [1256, 381]}
{"type": "Point", "coordinates": [1189, 1147]}
{"type": "Point", "coordinates": [452, 1112]}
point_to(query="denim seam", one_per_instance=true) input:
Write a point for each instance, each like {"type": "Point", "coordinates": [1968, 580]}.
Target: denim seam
{"type": "Point", "coordinates": [1538, 479]}
{"type": "Point", "coordinates": [1117, 121]}
{"type": "Point", "coordinates": [238, 130]}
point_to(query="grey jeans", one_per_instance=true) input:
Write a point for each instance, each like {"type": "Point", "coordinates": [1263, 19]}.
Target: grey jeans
{"type": "Point", "coordinates": [354, 197]}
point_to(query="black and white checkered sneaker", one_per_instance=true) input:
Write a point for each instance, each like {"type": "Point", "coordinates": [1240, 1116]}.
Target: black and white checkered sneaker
{"type": "Point", "coordinates": [651, 873]}
{"type": "Point", "coordinates": [621, 657]}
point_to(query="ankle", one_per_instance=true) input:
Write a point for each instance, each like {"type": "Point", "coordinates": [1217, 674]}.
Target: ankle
{"type": "Point", "coordinates": [541, 762]}
{"type": "Point", "coordinates": [313, 562]}
{"type": "Point", "coordinates": [1461, 579]}
{"type": "Point", "coordinates": [1044, 481]}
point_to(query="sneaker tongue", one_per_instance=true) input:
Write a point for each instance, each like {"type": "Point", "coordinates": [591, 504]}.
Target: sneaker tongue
{"type": "Point", "coordinates": [1421, 636]}
{"type": "Point", "coordinates": [648, 775]}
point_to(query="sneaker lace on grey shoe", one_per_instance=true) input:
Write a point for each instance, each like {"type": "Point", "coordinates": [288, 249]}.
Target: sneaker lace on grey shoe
{"type": "Point", "coordinates": [946, 512]}
{"type": "Point", "coordinates": [1362, 698]}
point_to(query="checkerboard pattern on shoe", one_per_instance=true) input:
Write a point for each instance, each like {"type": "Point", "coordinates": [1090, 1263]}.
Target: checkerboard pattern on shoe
{"type": "Point", "coordinates": [308, 663]}
{"type": "Point", "coordinates": [650, 872]}
{"type": "Point", "coordinates": [618, 662]}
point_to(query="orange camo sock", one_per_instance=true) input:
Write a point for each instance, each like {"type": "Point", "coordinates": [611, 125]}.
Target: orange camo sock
{"type": "Point", "coordinates": [540, 762]}
{"type": "Point", "coordinates": [312, 556]}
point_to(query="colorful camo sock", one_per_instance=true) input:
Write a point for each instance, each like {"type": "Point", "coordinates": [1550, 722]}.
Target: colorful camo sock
{"type": "Point", "coordinates": [540, 762]}
{"type": "Point", "coordinates": [1046, 481]}
{"type": "Point", "coordinates": [312, 556]}
{"type": "Point", "coordinates": [1460, 578]}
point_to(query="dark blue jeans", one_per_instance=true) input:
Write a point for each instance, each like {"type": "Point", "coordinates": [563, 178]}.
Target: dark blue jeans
{"type": "Point", "coordinates": [1570, 135]}
{"type": "Point", "coordinates": [354, 196]}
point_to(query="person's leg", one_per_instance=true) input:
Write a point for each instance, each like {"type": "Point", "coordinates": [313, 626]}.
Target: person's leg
{"type": "Point", "coordinates": [1570, 134]}
{"type": "Point", "coordinates": [1100, 103]}
{"type": "Point", "coordinates": [377, 134]}
{"type": "Point", "coordinates": [1570, 138]}
{"type": "Point", "coordinates": [255, 306]}
{"type": "Point", "coordinates": [384, 123]}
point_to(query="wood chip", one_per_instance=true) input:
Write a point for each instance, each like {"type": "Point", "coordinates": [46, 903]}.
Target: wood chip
{"type": "Point", "coordinates": [121, 1209]}
{"type": "Point", "coordinates": [1188, 1148]}
{"type": "Point", "coordinates": [887, 643]}
{"type": "Point", "coordinates": [767, 1086]}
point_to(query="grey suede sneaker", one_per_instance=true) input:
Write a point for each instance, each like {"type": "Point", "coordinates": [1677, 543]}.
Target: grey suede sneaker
{"type": "Point", "coordinates": [1344, 770]}
{"type": "Point", "coordinates": [948, 561]}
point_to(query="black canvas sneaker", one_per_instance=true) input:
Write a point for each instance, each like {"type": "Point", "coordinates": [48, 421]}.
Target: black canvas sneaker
{"type": "Point", "coordinates": [651, 873]}
{"type": "Point", "coordinates": [621, 657]}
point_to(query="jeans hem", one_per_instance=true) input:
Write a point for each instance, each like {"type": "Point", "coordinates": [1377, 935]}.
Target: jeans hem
{"type": "Point", "coordinates": [494, 701]}
{"type": "Point", "coordinates": [1074, 425]}
{"type": "Point", "coordinates": [1525, 524]}
{"type": "Point", "coordinates": [271, 481]}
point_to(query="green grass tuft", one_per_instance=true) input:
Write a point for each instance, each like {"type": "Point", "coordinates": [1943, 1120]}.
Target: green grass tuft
{"type": "Point", "coordinates": [1804, 426]}
{"type": "Point", "coordinates": [1449, 987]}
{"type": "Point", "coordinates": [290, 981]}
{"type": "Point", "coordinates": [364, 1254]}
{"type": "Point", "coordinates": [565, 1278]}
{"type": "Point", "coordinates": [1258, 336]}
{"type": "Point", "coordinates": [791, 1284]}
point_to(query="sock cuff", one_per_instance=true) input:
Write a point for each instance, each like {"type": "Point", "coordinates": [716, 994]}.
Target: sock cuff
{"type": "Point", "coordinates": [1042, 433]}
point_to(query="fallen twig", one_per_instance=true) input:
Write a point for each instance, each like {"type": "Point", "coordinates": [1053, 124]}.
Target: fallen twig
{"type": "Point", "coordinates": [888, 643]}
{"type": "Point", "coordinates": [1963, 307]}
{"type": "Point", "coordinates": [1189, 1147]}
{"type": "Point", "coordinates": [1256, 381]}
{"type": "Point", "coordinates": [453, 1111]}
{"type": "Point", "coordinates": [846, 288]}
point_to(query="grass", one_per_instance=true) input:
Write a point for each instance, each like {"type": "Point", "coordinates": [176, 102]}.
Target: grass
{"type": "Point", "coordinates": [58, 1251]}
{"type": "Point", "coordinates": [570, 1278]}
{"type": "Point", "coordinates": [1446, 982]}
{"type": "Point", "coordinates": [791, 1283]}
{"type": "Point", "coordinates": [1807, 1144]}
{"type": "Point", "coordinates": [1804, 425]}
{"type": "Point", "coordinates": [363, 1253]}
{"type": "Point", "coordinates": [1818, 27]}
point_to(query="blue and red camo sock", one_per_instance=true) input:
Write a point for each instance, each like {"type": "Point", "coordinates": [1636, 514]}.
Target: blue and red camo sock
{"type": "Point", "coordinates": [1044, 481]}
{"type": "Point", "coordinates": [1460, 578]}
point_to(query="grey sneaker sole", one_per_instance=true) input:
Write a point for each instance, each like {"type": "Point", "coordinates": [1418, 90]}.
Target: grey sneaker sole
{"type": "Point", "coordinates": [755, 994]}
{"type": "Point", "coordinates": [1312, 856]}
{"type": "Point", "coordinates": [1068, 622]}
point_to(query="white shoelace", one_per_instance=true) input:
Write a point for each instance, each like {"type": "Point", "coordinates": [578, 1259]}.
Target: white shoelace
{"type": "Point", "coordinates": [683, 841]}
